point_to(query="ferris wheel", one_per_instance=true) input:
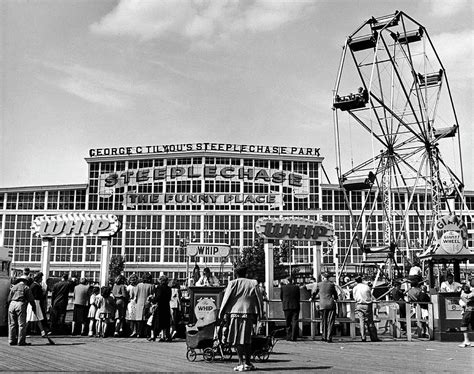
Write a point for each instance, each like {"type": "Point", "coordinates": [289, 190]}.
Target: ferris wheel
{"type": "Point", "coordinates": [396, 132]}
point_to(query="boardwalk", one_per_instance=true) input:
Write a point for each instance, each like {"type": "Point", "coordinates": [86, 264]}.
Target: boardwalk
{"type": "Point", "coordinates": [72, 354]}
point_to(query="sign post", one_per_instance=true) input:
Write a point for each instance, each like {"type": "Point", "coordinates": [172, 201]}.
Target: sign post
{"type": "Point", "coordinates": [268, 249]}
{"type": "Point", "coordinates": [45, 255]}
{"type": "Point", "coordinates": [104, 260]}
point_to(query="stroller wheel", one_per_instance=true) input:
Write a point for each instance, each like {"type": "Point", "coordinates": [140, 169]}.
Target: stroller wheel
{"type": "Point", "coordinates": [262, 356]}
{"type": "Point", "coordinates": [226, 352]}
{"type": "Point", "coordinates": [208, 354]}
{"type": "Point", "coordinates": [191, 354]}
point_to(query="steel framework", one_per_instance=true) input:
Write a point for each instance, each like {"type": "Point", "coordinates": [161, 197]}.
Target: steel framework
{"type": "Point", "coordinates": [392, 96]}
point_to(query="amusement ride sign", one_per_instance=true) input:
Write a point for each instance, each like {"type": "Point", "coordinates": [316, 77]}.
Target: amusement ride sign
{"type": "Point", "coordinates": [294, 229]}
{"type": "Point", "coordinates": [451, 233]}
{"type": "Point", "coordinates": [74, 224]}
{"type": "Point", "coordinates": [213, 250]}
{"type": "Point", "coordinates": [111, 182]}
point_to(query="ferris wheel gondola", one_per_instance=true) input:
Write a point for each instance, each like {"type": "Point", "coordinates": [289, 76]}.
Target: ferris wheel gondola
{"type": "Point", "coordinates": [392, 91]}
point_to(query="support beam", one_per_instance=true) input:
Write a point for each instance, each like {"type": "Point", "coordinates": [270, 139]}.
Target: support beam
{"type": "Point", "coordinates": [104, 260]}
{"type": "Point", "coordinates": [317, 250]}
{"type": "Point", "coordinates": [268, 248]}
{"type": "Point", "coordinates": [45, 255]}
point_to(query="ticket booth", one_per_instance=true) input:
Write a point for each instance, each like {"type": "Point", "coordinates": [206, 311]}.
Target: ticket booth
{"type": "Point", "coordinates": [450, 248]}
{"type": "Point", "coordinates": [205, 302]}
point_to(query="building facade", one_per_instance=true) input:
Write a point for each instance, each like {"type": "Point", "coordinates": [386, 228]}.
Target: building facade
{"type": "Point", "coordinates": [166, 196]}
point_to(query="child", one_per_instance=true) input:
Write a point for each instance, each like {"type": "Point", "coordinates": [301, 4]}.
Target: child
{"type": "Point", "coordinates": [105, 311]}
{"type": "Point", "coordinates": [151, 307]}
{"type": "Point", "coordinates": [92, 309]}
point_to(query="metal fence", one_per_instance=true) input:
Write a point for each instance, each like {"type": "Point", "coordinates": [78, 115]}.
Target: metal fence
{"type": "Point", "coordinates": [399, 320]}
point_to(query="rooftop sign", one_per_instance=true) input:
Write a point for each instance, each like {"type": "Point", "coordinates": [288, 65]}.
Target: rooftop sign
{"type": "Point", "coordinates": [74, 224]}
{"type": "Point", "coordinates": [203, 147]}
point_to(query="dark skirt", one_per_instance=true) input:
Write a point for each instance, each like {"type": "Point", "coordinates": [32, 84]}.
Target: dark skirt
{"type": "Point", "coordinates": [120, 308]}
{"type": "Point", "coordinates": [161, 319]}
{"type": "Point", "coordinates": [241, 328]}
{"type": "Point", "coordinates": [80, 313]}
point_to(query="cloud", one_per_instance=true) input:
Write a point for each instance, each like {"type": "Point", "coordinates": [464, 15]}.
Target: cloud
{"type": "Point", "coordinates": [446, 8]}
{"type": "Point", "coordinates": [456, 52]}
{"type": "Point", "coordinates": [202, 22]}
{"type": "Point", "coordinates": [101, 87]}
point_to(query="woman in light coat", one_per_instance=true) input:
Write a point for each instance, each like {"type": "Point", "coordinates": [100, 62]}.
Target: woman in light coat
{"type": "Point", "coordinates": [243, 304]}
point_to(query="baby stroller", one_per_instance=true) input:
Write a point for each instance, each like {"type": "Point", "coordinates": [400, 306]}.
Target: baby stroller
{"type": "Point", "coordinates": [206, 340]}
{"type": "Point", "coordinates": [262, 346]}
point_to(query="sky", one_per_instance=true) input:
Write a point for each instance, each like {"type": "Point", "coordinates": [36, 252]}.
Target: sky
{"type": "Point", "coordinates": [83, 74]}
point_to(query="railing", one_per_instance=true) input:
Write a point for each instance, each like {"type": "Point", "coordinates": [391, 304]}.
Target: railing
{"type": "Point", "coordinates": [391, 316]}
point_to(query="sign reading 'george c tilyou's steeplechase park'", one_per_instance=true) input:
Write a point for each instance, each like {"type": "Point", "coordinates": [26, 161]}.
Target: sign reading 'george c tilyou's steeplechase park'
{"type": "Point", "coordinates": [204, 147]}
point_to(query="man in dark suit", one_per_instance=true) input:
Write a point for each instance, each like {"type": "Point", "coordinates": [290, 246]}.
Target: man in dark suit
{"type": "Point", "coordinates": [327, 304]}
{"type": "Point", "coordinates": [59, 301]}
{"type": "Point", "coordinates": [290, 297]}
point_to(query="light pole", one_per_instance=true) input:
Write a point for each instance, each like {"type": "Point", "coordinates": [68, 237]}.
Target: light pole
{"type": "Point", "coordinates": [70, 262]}
{"type": "Point", "coordinates": [138, 260]}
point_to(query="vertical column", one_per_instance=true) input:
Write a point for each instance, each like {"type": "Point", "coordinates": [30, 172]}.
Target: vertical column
{"type": "Point", "coordinates": [268, 248]}
{"type": "Point", "coordinates": [45, 255]}
{"type": "Point", "coordinates": [162, 252]}
{"type": "Point", "coordinates": [317, 249]}
{"type": "Point", "coordinates": [104, 260]}
{"type": "Point", "coordinates": [335, 254]}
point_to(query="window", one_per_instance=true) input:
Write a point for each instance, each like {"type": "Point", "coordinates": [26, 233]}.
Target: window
{"type": "Point", "coordinates": [25, 200]}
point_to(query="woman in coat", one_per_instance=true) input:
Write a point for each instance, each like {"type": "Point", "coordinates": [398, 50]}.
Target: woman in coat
{"type": "Point", "coordinates": [144, 289]}
{"type": "Point", "coordinates": [131, 312]}
{"type": "Point", "coordinates": [120, 294]}
{"type": "Point", "coordinates": [243, 303]}
{"type": "Point", "coordinates": [162, 314]}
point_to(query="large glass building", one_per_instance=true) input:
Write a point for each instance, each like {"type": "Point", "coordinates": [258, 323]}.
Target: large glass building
{"type": "Point", "coordinates": [171, 195]}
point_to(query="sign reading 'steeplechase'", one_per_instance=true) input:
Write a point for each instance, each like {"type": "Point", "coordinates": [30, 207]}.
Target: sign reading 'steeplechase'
{"type": "Point", "coordinates": [74, 224]}
{"type": "Point", "coordinates": [131, 180]}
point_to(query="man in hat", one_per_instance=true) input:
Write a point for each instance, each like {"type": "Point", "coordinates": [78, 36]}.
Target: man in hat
{"type": "Point", "coordinates": [327, 305]}
{"type": "Point", "coordinates": [363, 297]}
{"type": "Point", "coordinates": [290, 298]}
{"type": "Point", "coordinates": [18, 298]}
{"type": "Point", "coordinates": [59, 301]}
{"type": "Point", "coordinates": [27, 275]}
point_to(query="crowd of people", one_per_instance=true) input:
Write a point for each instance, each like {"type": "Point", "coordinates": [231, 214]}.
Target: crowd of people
{"type": "Point", "coordinates": [411, 291]}
{"type": "Point", "coordinates": [126, 307]}
{"type": "Point", "coordinates": [140, 308]}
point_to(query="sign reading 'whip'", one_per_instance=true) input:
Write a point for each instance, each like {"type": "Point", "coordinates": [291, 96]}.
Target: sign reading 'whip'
{"type": "Point", "coordinates": [74, 224]}
{"type": "Point", "coordinates": [294, 229]}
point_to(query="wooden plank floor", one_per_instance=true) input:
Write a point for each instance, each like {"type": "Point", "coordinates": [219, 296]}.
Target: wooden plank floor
{"type": "Point", "coordinates": [82, 354]}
